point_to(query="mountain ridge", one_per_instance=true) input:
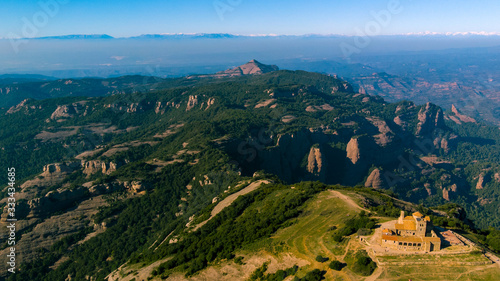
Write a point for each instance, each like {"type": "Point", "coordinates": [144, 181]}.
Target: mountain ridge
{"type": "Point", "coordinates": [229, 35]}
{"type": "Point", "coordinates": [133, 169]}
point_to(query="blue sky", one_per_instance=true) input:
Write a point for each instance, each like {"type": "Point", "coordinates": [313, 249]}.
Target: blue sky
{"type": "Point", "coordinates": [123, 18]}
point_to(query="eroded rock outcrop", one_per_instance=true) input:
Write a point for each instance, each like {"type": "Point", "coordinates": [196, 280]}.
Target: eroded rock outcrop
{"type": "Point", "coordinates": [52, 174]}
{"type": "Point", "coordinates": [316, 164]}
{"type": "Point", "coordinates": [460, 118]}
{"type": "Point", "coordinates": [134, 107]}
{"type": "Point", "coordinates": [481, 182]}
{"type": "Point", "coordinates": [192, 102]}
{"type": "Point", "coordinates": [210, 102]}
{"type": "Point", "coordinates": [68, 111]}
{"type": "Point", "coordinates": [376, 180]}
{"type": "Point", "coordinates": [446, 194]}
{"type": "Point", "coordinates": [161, 107]}
{"type": "Point", "coordinates": [430, 117]}
{"type": "Point", "coordinates": [285, 158]}
{"type": "Point", "coordinates": [353, 153]}
{"type": "Point", "coordinates": [24, 105]}
{"type": "Point", "coordinates": [95, 166]}
{"type": "Point", "coordinates": [344, 87]}
{"type": "Point", "coordinates": [386, 135]}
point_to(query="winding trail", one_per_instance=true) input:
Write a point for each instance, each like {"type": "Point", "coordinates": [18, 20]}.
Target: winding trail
{"type": "Point", "coordinates": [230, 199]}
{"type": "Point", "coordinates": [348, 200]}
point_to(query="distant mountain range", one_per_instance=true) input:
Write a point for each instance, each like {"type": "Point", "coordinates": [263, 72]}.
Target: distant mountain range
{"type": "Point", "coordinates": [78, 36]}
{"type": "Point", "coordinates": [228, 35]}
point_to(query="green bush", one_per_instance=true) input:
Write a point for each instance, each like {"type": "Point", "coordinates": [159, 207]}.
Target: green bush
{"type": "Point", "coordinates": [321, 259]}
{"type": "Point", "coordinates": [315, 275]}
{"type": "Point", "coordinates": [239, 260]}
{"type": "Point", "coordinates": [362, 221]}
{"type": "Point", "coordinates": [363, 264]}
{"type": "Point", "coordinates": [336, 265]}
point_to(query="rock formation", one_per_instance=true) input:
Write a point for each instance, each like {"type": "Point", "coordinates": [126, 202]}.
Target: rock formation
{"type": "Point", "coordinates": [22, 105]}
{"type": "Point", "coordinates": [285, 158]}
{"type": "Point", "coordinates": [430, 117]}
{"type": "Point", "coordinates": [375, 180]}
{"type": "Point", "coordinates": [95, 166]}
{"type": "Point", "coordinates": [192, 102]}
{"type": "Point", "coordinates": [210, 102]}
{"type": "Point", "coordinates": [446, 194]}
{"type": "Point", "coordinates": [67, 111]}
{"type": "Point", "coordinates": [353, 153]}
{"type": "Point", "coordinates": [52, 174]}
{"type": "Point", "coordinates": [459, 117]}
{"type": "Point", "coordinates": [481, 182]}
{"type": "Point", "coordinates": [315, 163]}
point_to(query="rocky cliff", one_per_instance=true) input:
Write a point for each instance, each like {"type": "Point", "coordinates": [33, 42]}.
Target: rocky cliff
{"type": "Point", "coordinates": [95, 166]}
{"type": "Point", "coordinates": [376, 180]}
{"type": "Point", "coordinates": [430, 117]}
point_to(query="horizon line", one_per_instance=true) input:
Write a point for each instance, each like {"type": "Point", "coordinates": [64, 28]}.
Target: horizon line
{"type": "Point", "coordinates": [107, 36]}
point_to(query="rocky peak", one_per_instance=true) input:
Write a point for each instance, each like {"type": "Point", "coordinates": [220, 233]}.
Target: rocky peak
{"type": "Point", "coordinates": [353, 150]}
{"type": "Point", "coordinates": [249, 68]}
{"type": "Point", "coordinates": [67, 111]}
{"type": "Point", "coordinates": [315, 161]}
{"type": "Point", "coordinates": [481, 181]}
{"type": "Point", "coordinates": [375, 180]}
{"type": "Point", "coordinates": [446, 194]}
{"type": "Point", "coordinates": [95, 166]}
{"type": "Point", "coordinates": [430, 117]}
{"type": "Point", "coordinates": [56, 169]}
{"type": "Point", "coordinates": [385, 135]}
{"type": "Point", "coordinates": [460, 118]}
{"type": "Point", "coordinates": [22, 105]}
{"type": "Point", "coordinates": [192, 102]}
{"type": "Point", "coordinates": [63, 111]}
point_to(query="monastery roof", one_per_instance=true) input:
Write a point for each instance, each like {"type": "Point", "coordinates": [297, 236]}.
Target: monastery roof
{"type": "Point", "coordinates": [418, 214]}
{"type": "Point", "coordinates": [406, 225]}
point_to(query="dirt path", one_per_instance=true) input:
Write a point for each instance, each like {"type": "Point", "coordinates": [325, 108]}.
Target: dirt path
{"type": "Point", "coordinates": [230, 199]}
{"type": "Point", "coordinates": [378, 271]}
{"type": "Point", "coordinates": [141, 274]}
{"type": "Point", "coordinates": [348, 200]}
{"type": "Point", "coordinates": [493, 258]}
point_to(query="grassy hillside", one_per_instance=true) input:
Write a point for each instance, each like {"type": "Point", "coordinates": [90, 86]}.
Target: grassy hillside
{"type": "Point", "coordinates": [303, 239]}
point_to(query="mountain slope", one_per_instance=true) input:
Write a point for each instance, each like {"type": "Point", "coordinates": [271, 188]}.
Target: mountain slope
{"type": "Point", "coordinates": [154, 161]}
{"type": "Point", "coordinates": [301, 240]}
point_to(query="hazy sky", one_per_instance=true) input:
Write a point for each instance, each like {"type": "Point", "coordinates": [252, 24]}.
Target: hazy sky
{"type": "Point", "coordinates": [122, 18]}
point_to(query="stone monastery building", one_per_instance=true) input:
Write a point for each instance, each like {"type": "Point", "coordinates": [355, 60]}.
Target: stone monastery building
{"type": "Point", "coordinates": [412, 233]}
